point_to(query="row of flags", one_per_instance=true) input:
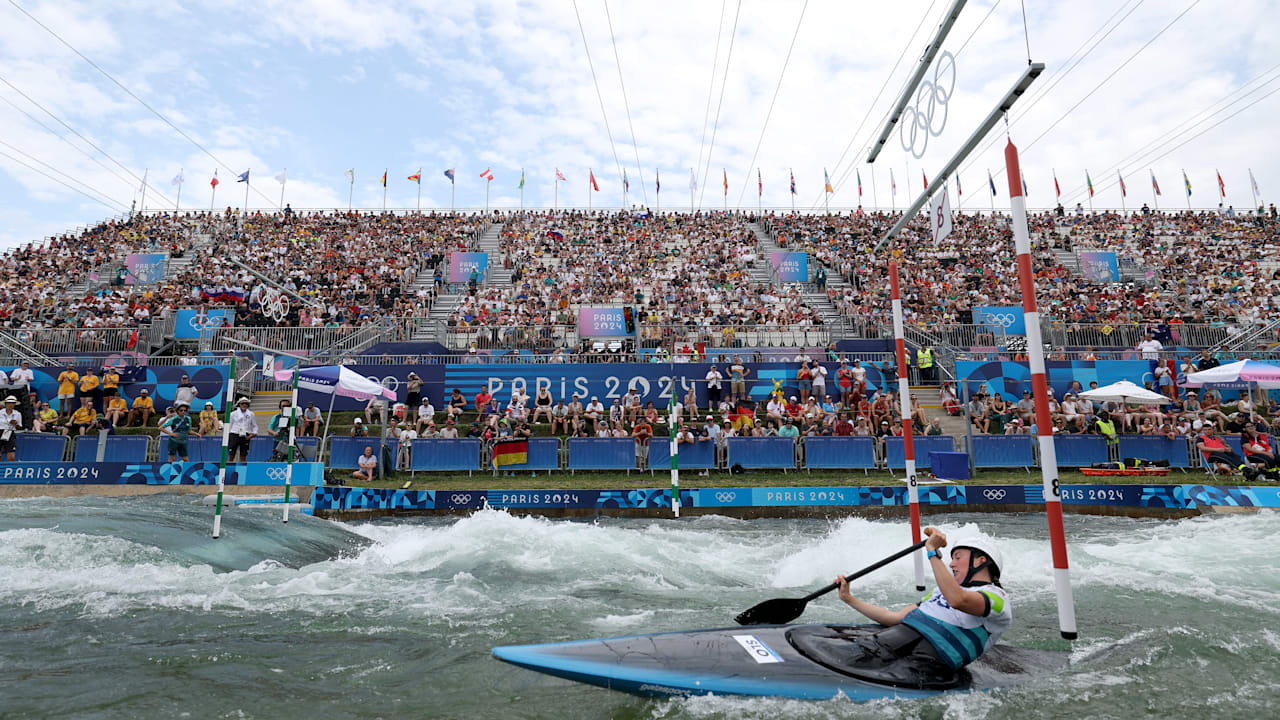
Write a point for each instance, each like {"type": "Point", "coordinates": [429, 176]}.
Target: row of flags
{"type": "Point", "coordinates": [826, 179]}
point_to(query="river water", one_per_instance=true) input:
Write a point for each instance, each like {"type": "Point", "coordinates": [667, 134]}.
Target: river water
{"type": "Point", "coordinates": [121, 608]}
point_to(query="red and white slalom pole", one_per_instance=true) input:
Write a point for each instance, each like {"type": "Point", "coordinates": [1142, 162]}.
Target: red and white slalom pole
{"type": "Point", "coordinates": [908, 442]}
{"type": "Point", "coordinates": [1040, 391]}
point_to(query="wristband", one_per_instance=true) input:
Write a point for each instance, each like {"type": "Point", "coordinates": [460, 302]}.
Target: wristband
{"type": "Point", "coordinates": [933, 554]}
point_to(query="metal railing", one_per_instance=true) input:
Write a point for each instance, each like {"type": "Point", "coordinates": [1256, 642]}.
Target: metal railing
{"type": "Point", "coordinates": [1258, 334]}
{"type": "Point", "coordinates": [1100, 335]}
{"type": "Point", "coordinates": [71, 340]}
{"type": "Point", "coordinates": [734, 336]}
{"type": "Point", "coordinates": [294, 339]}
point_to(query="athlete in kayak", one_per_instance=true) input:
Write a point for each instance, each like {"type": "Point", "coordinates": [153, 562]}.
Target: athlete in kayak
{"type": "Point", "coordinates": [961, 619]}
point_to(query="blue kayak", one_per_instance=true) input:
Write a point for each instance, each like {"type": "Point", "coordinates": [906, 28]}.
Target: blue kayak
{"type": "Point", "coordinates": [808, 662]}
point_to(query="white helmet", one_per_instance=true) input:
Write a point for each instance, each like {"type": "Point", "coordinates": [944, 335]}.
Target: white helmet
{"type": "Point", "coordinates": [986, 547]}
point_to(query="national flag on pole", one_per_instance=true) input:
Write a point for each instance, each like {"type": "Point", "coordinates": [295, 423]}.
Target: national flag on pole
{"type": "Point", "coordinates": [1222, 188]}
{"type": "Point", "coordinates": [925, 178]}
{"type": "Point", "coordinates": [384, 178]}
{"type": "Point", "coordinates": [281, 177]}
{"type": "Point", "coordinates": [133, 341]}
{"type": "Point", "coordinates": [1023, 177]}
{"type": "Point", "coordinates": [793, 182]}
{"type": "Point", "coordinates": [510, 452]}
{"type": "Point", "coordinates": [657, 180]}
{"type": "Point", "coordinates": [726, 182]}
{"type": "Point", "coordinates": [826, 180]}
{"type": "Point", "coordinates": [486, 172]}
{"type": "Point", "coordinates": [177, 179]}
{"type": "Point", "coordinates": [1254, 183]}
{"type": "Point", "coordinates": [893, 184]}
{"type": "Point", "coordinates": [244, 177]}
{"type": "Point", "coordinates": [143, 186]}
{"type": "Point", "coordinates": [592, 175]}
{"type": "Point", "coordinates": [1057, 189]}
{"type": "Point", "coordinates": [521, 179]}
{"type": "Point", "coordinates": [1186, 181]}
{"type": "Point", "coordinates": [559, 175]}
{"type": "Point", "coordinates": [416, 177]}
{"type": "Point", "coordinates": [1088, 181]}
{"type": "Point", "coordinates": [351, 175]}
{"type": "Point", "coordinates": [859, 174]}
{"type": "Point", "coordinates": [214, 181]}
{"type": "Point", "coordinates": [626, 184]}
{"type": "Point", "coordinates": [488, 176]}
{"type": "Point", "coordinates": [959, 190]}
{"type": "Point", "coordinates": [940, 210]}
{"type": "Point", "coordinates": [1155, 185]}
{"type": "Point", "coordinates": [760, 182]}
{"type": "Point", "coordinates": [449, 174]}
{"type": "Point", "coordinates": [1124, 192]}
{"type": "Point", "coordinates": [991, 181]}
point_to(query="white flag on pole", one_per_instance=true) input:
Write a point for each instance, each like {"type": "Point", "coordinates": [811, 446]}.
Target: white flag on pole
{"type": "Point", "coordinates": [1253, 181]}
{"type": "Point", "coordinates": [144, 180]}
{"type": "Point", "coordinates": [351, 175]}
{"type": "Point", "coordinates": [940, 212]}
{"type": "Point", "coordinates": [177, 179]}
{"type": "Point", "coordinates": [280, 177]}
{"type": "Point", "coordinates": [693, 181]}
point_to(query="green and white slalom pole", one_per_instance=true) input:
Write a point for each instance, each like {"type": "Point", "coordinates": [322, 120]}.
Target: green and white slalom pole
{"type": "Point", "coordinates": [229, 400]}
{"type": "Point", "coordinates": [672, 419]}
{"type": "Point", "coordinates": [293, 437]}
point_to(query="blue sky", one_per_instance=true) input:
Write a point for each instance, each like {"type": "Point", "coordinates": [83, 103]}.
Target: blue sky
{"type": "Point", "coordinates": [320, 86]}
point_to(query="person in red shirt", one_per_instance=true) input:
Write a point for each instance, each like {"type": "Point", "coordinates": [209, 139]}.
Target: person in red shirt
{"type": "Point", "coordinates": [844, 428]}
{"type": "Point", "coordinates": [793, 408]}
{"type": "Point", "coordinates": [482, 403]}
{"type": "Point", "coordinates": [1216, 452]}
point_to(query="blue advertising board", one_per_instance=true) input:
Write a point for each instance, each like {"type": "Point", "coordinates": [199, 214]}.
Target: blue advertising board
{"type": "Point", "coordinates": [790, 266]}
{"type": "Point", "coordinates": [1100, 267]}
{"type": "Point", "coordinates": [188, 324]}
{"type": "Point", "coordinates": [1010, 378]}
{"type": "Point", "coordinates": [1000, 318]}
{"type": "Point", "coordinates": [190, 473]}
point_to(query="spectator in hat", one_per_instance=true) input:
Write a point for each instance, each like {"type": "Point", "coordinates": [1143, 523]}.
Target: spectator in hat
{"type": "Point", "coordinates": [358, 429]}
{"type": "Point", "coordinates": [450, 431]}
{"type": "Point", "coordinates": [10, 426]}
{"type": "Point", "coordinates": [143, 408]}
{"type": "Point", "coordinates": [244, 428]}
{"type": "Point", "coordinates": [414, 387]}
{"type": "Point", "coordinates": [210, 424]}
{"type": "Point", "coordinates": [179, 431]}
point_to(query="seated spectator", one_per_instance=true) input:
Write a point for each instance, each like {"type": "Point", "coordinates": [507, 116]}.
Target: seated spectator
{"type": "Point", "coordinates": [46, 419]}
{"type": "Point", "coordinates": [83, 418]}
{"type": "Point", "coordinates": [312, 420]}
{"type": "Point", "coordinates": [210, 423]}
{"type": "Point", "coordinates": [143, 409]}
{"type": "Point", "coordinates": [367, 465]}
{"type": "Point", "coordinates": [117, 411]}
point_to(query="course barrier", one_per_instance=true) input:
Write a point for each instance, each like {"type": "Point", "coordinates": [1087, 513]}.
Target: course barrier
{"type": "Point", "coordinates": [602, 454]}
{"type": "Point", "coordinates": [895, 451]}
{"type": "Point", "coordinates": [1002, 451]}
{"type": "Point", "coordinates": [762, 453]}
{"type": "Point", "coordinates": [837, 453]}
{"type": "Point", "coordinates": [698, 455]}
{"type": "Point", "coordinates": [118, 448]}
{"type": "Point", "coordinates": [163, 473]}
{"type": "Point", "coordinates": [40, 447]}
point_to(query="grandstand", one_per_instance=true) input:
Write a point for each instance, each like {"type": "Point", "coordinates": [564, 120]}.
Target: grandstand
{"type": "Point", "coordinates": [497, 302]}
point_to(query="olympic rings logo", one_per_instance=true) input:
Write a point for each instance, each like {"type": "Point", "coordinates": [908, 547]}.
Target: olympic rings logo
{"type": "Point", "coordinates": [201, 322]}
{"type": "Point", "coordinates": [1004, 320]}
{"type": "Point", "coordinates": [276, 473]}
{"type": "Point", "coordinates": [994, 494]}
{"type": "Point", "coordinates": [929, 98]}
{"type": "Point", "coordinates": [725, 497]}
{"type": "Point", "coordinates": [460, 499]}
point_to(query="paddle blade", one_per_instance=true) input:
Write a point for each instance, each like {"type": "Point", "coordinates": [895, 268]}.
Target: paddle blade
{"type": "Point", "coordinates": [778, 611]}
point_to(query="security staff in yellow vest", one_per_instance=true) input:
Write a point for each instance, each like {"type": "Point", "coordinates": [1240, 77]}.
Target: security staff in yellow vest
{"type": "Point", "coordinates": [924, 361]}
{"type": "Point", "coordinates": [1107, 428]}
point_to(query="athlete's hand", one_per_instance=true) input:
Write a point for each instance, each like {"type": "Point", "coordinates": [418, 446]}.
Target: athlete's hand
{"type": "Point", "coordinates": [845, 596]}
{"type": "Point", "coordinates": [937, 539]}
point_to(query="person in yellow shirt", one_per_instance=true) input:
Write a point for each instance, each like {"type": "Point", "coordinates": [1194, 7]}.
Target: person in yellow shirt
{"type": "Point", "coordinates": [46, 419]}
{"type": "Point", "coordinates": [110, 383]}
{"type": "Point", "coordinates": [91, 387]}
{"type": "Point", "coordinates": [117, 410]}
{"type": "Point", "coordinates": [67, 380]}
{"type": "Point", "coordinates": [143, 408]}
{"type": "Point", "coordinates": [210, 423]}
{"type": "Point", "coordinates": [83, 418]}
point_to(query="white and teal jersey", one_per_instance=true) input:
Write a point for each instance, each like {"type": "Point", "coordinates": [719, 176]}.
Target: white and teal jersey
{"type": "Point", "coordinates": [958, 636]}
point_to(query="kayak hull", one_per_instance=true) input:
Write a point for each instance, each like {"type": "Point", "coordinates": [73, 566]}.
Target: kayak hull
{"type": "Point", "coordinates": [754, 661]}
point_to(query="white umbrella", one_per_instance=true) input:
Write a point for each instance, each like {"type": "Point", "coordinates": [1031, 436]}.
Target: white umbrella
{"type": "Point", "coordinates": [1125, 391]}
{"type": "Point", "coordinates": [1242, 373]}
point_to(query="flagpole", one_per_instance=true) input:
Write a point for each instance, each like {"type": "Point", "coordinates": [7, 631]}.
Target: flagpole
{"type": "Point", "coordinates": [212, 194]}
{"type": "Point", "coordinates": [691, 190]}
{"type": "Point", "coordinates": [384, 202]}
{"type": "Point", "coordinates": [178, 199]}
{"type": "Point", "coordinates": [283, 173]}
{"type": "Point", "coordinates": [486, 197]}
{"type": "Point", "coordinates": [246, 197]}
{"type": "Point", "coordinates": [1185, 186]}
{"type": "Point", "coordinates": [590, 173]}
{"type": "Point", "coordinates": [1124, 208]}
{"type": "Point", "coordinates": [144, 190]}
{"type": "Point", "coordinates": [1155, 199]}
{"type": "Point", "coordinates": [521, 189]}
{"type": "Point", "coordinates": [759, 193]}
{"type": "Point", "coordinates": [1090, 183]}
{"type": "Point", "coordinates": [556, 195]}
{"type": "Point", "coordinates": [793, 184]}
{"type": "Point", "coordinates": [351, 191]}
{"type": "Point", "coordinates": [419, 211]}
{"type": "Point", "coordinates": [452, 188]}
{"type": "Point", "coordinates": [1252, 190]}
{"type": "Point", "coordinates": [874, 196]}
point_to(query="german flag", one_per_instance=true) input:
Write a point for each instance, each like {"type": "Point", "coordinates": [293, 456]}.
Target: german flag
{"type": "Point", "coordinates": [510, 452]}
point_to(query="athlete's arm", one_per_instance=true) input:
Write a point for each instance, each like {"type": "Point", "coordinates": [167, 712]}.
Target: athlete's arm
{"type": "Point", "coordinates": [884, 616]}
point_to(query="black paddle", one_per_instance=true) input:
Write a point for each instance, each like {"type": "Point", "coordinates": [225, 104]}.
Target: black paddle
{"type": "Point", "coordinates": [783, 610]}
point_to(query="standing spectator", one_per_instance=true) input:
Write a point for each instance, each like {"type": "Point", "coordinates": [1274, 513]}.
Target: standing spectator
{"type": "Point", "coordinates": [1150, 347]}
{"type": "Point", "coordinates": [642, 432]}
{"type": "Point", "coordinates": [143, 408]}
{"type": "Point", "coordinates": [844, 381]}
{"type": "Point", "coordinates": [91, 387]}
{"type": "Point", "coordinates": [179, 431]}
{"type": "Point", "coordinates": [804, 380]}
{"type": "Point", "coordinates": [244, 428]}
{"type": "Point", "coordinates": [404, 455]}
{"type": "Point", "coordinates": [186, 392]}
{"type": "Point", "coordinates": [110, 383]}
{"type": "Point", "coordinates": [67, 381]}
{"type": "Point", "coordinates": [819, 374]}
{"type": "Point", "coordinates": [10, 425]}
{"type": "Point", "coordinates": [713, 386]}
{"type": "Point", "coordinates": [738, 380]}
{"type": "Point", "coordinates": [924, 361]}
{"type": "Point", "coordinates": [859, 375]}
{"type": "Point", "coordinates": [20, 381]}
{"type": "Point", "coordinates": [414, 386]}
